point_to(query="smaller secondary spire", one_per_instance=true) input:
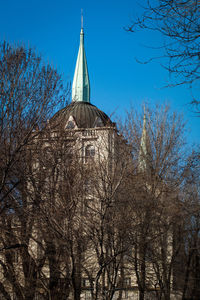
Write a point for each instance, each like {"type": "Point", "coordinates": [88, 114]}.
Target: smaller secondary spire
{"type": "Point", "coordinates": [81, 83]}
{"type": "Point", "coordinates": [143, 160]}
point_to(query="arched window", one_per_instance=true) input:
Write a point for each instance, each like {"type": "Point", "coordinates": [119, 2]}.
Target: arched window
{"type": "Point", "coordinates": [89, 152]}
{"type": "Point", "coordinates": [48, 154]}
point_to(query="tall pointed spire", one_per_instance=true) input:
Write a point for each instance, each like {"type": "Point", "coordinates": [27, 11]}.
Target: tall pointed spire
{"type": "Point", "coordinates": [144, 155]}
{"type": "Point", "coordinates": [81, 83]}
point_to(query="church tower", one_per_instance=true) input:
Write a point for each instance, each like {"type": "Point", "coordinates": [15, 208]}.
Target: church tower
{"type": "Point", "coordinates": [94, 129]}
{"type": "Point", "coordinates": [81, 113]}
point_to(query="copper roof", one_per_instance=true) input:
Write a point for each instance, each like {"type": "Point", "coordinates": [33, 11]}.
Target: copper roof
{"type": "Point", "coordinates": [85, 115]}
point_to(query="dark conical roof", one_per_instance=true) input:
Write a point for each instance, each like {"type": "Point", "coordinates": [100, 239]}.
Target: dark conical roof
{"type": "Point", "coordinates": [85, 115]}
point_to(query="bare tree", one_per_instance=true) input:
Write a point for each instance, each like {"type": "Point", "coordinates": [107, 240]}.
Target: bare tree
{"type": "Point", "coordinates": [154, 188]}
{"type": "Point", "coordinates": [30, 91]}
{"type": "Point", "coordinates": [46, 223]}
{"type": "Point", "coordinates": [188, 275]}
{"type": "Point", "coordinates": [178, 22]}
{"type": "Point", "coordinates": [105, 222]}
{"type": "Point", "coordinates": [97, 218]}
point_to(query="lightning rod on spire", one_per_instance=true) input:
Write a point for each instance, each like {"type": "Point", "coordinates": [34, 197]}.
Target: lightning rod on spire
{"type": "Point", "coordinates": [81, 18]}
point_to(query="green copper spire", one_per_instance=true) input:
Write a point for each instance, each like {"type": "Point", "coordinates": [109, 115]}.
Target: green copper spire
{"type": "Point", "coordinates": [81, 83]}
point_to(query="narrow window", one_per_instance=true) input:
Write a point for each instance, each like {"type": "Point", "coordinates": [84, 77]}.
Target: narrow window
{"type": "Point", "coordinates": [127, 281]}
{"type": "Point", "coordinates": [87, 295]}
{"type": "Point", "coordinates": [126, 294]}
{"type": "Point", "coordinates": [89, 152]}
{"type": "Point", "coordinates": [86, 282]}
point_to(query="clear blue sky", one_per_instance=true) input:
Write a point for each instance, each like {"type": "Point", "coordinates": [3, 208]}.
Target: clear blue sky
{"type": "Point", "coordinates": [117, 80]}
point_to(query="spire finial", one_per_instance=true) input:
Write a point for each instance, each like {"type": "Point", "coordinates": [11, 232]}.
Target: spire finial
{"type": "Point", "coordinates": [81, 18]}
{"type": "Point", "coordinates": [144, 118]}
